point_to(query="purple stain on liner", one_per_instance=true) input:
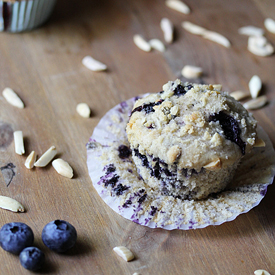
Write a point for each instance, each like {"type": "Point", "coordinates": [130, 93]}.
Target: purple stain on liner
{"type": "Point", "coordinates": [263, 191]}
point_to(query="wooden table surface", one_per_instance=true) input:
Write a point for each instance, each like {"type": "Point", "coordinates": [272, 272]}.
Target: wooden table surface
{"type": "Point", "coordinates": [44, 67]}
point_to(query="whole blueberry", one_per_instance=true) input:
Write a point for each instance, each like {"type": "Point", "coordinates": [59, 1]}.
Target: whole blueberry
{"type": "Point", "coordinates": [15, 236]}
{"type": "Point", "coordinates": [59, 236]}
{"type": "Point", "coordinates": [32, 258]}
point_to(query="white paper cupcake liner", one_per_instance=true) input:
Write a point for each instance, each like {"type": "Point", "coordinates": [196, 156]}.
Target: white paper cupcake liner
{"type": "Point", "coordinates": [24, 15]}
{"type": "Point", "coordinates": [116, 180]}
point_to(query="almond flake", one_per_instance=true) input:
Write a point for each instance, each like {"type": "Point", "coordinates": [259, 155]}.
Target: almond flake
{"type": "Point", "coordinates": [45, 159]}
{"type": "Point", "coordinates": [251, 31]}
{"type": "Point", "coordinates": [189, 71]}
{"type": "Point", "coordinates": [19, 142]}
{"type": "Point", "coordinates": [216, 37]}
{"type": "Point", "coordinates": [256, 103]}
{"type": "Point", "coordinates": [141, 43]}
{"type": "Point", "coordinates": [192, 28]}
{"type": "Point", "coordinates": [178, 6]}
{"type": "Point", "coordinates": [124, 253]}
{"type": "Point", "coordinates": [63, 168]}
{"type": "Point", "coordinates": [255, 86]}
{"type": "Point", "coordinates": [83, 109]}
{"type": "Point", "coordinates": [11, 204]}
{"type": "Point", "coordinates": [217, 87]}
{"type": "Point", "coordinates": [213, 165]}
{"type": "Point", "coordinates": [261, 272]}
{"type": "Point", "coordinates": [259, 143]}
{"type": "Point", "coordinates": [29, 163]}
{"type": "Point", "coordinates": [92, 64]}
{"type": "Point", "coordinates": [238, 95]}
{"type": "Point", "coordinates": [13, 98]}
{"type": "Point", "coordinates": [168, 30]}
{"type": "Point", "coordinates": [260, 46]}
{"type": "Point", "coordinates": [157, 45]}
{"type": "Point", "coordinates": [270, 25]}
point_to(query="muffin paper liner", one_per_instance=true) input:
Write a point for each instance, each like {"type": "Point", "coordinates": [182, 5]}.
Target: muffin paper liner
{"type": "Point", "coordinates": [116, 179]}
{"type": "Point", "coordinates": [24, 15]}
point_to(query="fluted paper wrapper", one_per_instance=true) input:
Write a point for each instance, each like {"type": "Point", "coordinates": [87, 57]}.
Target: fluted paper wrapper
{"type": "Point", "coordinates": [18, 16]}
{"type": "Point", "coordinates": [116, 179]}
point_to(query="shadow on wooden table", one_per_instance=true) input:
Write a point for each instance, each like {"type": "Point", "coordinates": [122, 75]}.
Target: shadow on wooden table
{"type": "Point", "coordinates": [102, 15]}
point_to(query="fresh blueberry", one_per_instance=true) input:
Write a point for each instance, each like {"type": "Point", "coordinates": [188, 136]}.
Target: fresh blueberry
{"type": "Point", "coordinates": [15, 236]}
{"type": "Point", "coordinates": [59, 236]}
{"type": "Point", "coordinates": [32, 258]}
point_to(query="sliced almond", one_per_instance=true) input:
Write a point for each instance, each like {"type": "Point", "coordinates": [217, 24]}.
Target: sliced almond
{"type": "Point", "coordinates": [213, 165]}
{"type": "Point", "coordinates": [270, 25]}
{"type": "Point", "coordinates": [260, 46]}
{"type": "Point", "coordinates": [259, 143]}
{"type": "Point", "coordinates": [178, 6]}
{"type": "Point", "coordinates": [238, 95]}
{"type": "Point", "coordinates": [255, 103]}
{"type": "Point", "coordinates": [189, 71]}
{"type": "Point", "coordinates": [13, 98]}
{"type": "Point", "coordinates": [251, 31]}
{"type": "Point", "coordinates": [261, 272]}
{"type": "Point", "coordinates": [255, 86]}
{"type": "Point", "coordinates": [168, 29]}
{"type": "Point", "coordinates": [216, 37]}
{"type": "Point", "coordinates": [141, 43]}
{"type": "Point", "coordinates": [217, 87]}
{"type": "Point", "coordinates": [92, 64]}
{"type": "Point", "coordinates": [124, 253]}
{"type": "Point", "coordinates": [19, 142]}
{"type": "Point", "coordinates": [46, 158]}
{"type": "Point", "coordinates": [29, 163]}
{"type": "Point", "coordinates": [11, 204]}
{"type": "Point", "coordinates": [83, 109]}
{"type": "Point", "coordinates": [157, 45]}
{"type": "Point", "coordinates": [63, 168]}
{"type": "Point", "coordinates": [192, 28]}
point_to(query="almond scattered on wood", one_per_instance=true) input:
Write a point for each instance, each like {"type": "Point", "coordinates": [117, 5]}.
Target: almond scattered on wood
{"type": "Point", "coordinates": [251, 31]}
{"type": "Point", "coordinates": [255, 86]}
{"type": "Point", "coordinates": [63, 168]}
{"type": "Point", "coordinates": [19, 142]}
{"type": "Point", "coordinates": [11, 204]}
{"type": "Point", "coordinates": [270, 25]}
{"type": "Point", "coordinates": [178, 6]}
{"type": "Point", "coordinates": [207, 34]}
{"type": "Point", "coordinates": [124, 253]}
{"type": "Point", "coordinates": [239, 95]}
{"type": "Point", "coordinates": [168, 29]}
{"type": "Point", "coordinates": [261, 272]}
{"type": "Point", "coordinates": [12, 98]}
{"type": "Point", "coordinates": [218, 38]}
{"type": "Point", "coordinates": [46, 158]}
{"type": "Point", "coordinates": [193, 28]}
{"type": "Point", "coordinates": [255, 103]}
{"type": "Point", "coordinates": [83, 109]}
{"type": "Point", "coordinates": [29, 163]}
{"type": "Point", "coordinates": [260, 46]}
{"type": "Point", "coordinates": [157, 45]}
{"type": "Point", "coordinates": [141, 43]}
{"type": "Point", "coordinates": [93, 65]}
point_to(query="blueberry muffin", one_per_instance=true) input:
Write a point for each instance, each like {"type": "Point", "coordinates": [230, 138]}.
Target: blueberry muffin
{"type": "Point", "coordinates": [188, 139]}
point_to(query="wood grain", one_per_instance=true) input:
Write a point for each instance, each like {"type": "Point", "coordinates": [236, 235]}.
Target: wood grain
{"type": "Point", "coordinates": [44, 67]}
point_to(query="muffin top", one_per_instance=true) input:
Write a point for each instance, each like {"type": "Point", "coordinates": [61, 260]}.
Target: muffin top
{"type": "Point", "coordinates": [191, 125]}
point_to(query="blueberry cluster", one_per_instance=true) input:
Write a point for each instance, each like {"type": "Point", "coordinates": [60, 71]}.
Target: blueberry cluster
{"type": "Point", "coordinates": [18, 238]}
